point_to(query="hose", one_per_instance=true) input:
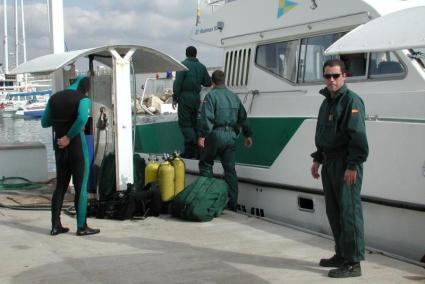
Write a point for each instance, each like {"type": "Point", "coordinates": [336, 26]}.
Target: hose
{"type": "Point", "coordinates": [27, 184]}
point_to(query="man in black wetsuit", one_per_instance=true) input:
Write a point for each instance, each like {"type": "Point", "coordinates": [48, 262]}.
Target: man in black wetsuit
{"type": "Point", "coordinates": [67, 112]}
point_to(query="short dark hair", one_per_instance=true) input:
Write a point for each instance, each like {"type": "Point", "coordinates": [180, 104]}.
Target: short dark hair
{"type": "Point", "coordinates": [333, 63]}
{"type": "Point", "coordinates": [218, 77]}
{"type": "Point", "coordinates": [191, 51]}
{"type": "Point", "coordinates": [84, 86]}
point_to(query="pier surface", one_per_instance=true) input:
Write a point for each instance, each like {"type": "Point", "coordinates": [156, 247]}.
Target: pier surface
{"type": "Point", "coordinates": [231, 249]}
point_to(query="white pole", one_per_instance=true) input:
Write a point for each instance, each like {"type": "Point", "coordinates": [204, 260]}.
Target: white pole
{"type": "Point", "coordinates": [5, 42]}
{"type": "Point", "coordinates": [56, 26]}
{"type": "Point", "coordinates": [123, 119]}
{"type": "Point", "coordinates": [24, 41]}
{"type": "Point", "coordinates": [57, 38]}
{"type": "Point", "coordinates": [16, 35]}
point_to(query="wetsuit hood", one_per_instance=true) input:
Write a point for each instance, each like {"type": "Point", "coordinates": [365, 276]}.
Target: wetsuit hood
{"type": "Point", "coordinates": [76, 83]}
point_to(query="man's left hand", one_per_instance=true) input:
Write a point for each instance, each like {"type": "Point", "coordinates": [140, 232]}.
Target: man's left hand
{"type": "Point", "coordinates": [350, 176]}
{"type": "Point", "coordinates": [63, 142]}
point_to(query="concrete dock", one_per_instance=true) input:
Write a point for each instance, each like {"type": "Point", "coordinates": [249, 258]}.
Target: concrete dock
{"type": "Point", "coordinates": [231, 249]}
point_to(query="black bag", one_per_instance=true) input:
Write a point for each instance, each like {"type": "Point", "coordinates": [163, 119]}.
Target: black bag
{"type": "Point", "coordinates": [130, 204]}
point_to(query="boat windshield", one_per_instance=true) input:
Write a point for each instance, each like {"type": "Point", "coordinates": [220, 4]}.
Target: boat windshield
{"type": "Point", "coordinates": [419, 55]}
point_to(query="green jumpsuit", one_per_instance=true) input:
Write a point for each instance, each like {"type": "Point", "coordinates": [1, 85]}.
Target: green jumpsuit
{"type": "Point", "coordinates": [342, 144]}
{"type": "Point", "coordinates": [222, 117]}
{"type": "Point", "coordinates": [186, 89]}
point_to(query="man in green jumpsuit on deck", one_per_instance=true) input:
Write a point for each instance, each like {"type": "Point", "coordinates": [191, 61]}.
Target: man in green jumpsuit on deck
{"type": "Point", "coordinates": [222, 117]}
{"type": "Point", "coordinates": [341, 148]}
{"type": "Point", "coordinates": [186, 89]}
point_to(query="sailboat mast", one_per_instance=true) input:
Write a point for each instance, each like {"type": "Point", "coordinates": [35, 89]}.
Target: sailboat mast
{"type": "Point", "coordinates": [5, 41]}
{"type": "Point", "coordinates": [16, 35]}
{"type": "Point", "coordinates": [24, 41]}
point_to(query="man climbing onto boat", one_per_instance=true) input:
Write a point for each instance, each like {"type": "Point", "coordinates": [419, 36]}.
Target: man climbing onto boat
{"type": "Point", "coordinates": [67, 112]}
{"type": "Point", "coordinates": [342, 149]}
{"type": "Point", "coordinates": [186, 89]}
{"type": "Point", "coordinates": [222, 117]}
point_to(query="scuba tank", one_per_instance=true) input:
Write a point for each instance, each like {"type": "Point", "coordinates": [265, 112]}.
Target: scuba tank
{"type": "Point", "coordinates": [179, 173]}
{"type": "Point", "coordinates": [151, 171]}
{"type": "Point", "coordinates": [166, 179]}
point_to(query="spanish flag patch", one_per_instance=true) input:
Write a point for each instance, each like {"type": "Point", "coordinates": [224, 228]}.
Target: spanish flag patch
{"type": "Point", "coordinates": [354, 110]}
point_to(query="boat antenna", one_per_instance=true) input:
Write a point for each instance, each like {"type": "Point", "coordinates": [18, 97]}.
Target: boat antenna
{"type": "Point", "coordinates": [198, 13]}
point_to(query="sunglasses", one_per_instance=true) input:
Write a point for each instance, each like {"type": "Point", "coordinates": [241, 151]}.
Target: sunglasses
{"type": "Point", "coordinates": [328, 76]}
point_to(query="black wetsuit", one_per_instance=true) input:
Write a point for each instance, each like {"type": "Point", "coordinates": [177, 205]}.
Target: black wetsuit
{"type": "Point", "coordinates": [67, 113]}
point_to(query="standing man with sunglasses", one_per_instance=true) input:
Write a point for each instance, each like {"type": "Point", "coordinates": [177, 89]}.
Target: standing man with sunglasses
{"type": "Point", "coordinates": [342, 149]}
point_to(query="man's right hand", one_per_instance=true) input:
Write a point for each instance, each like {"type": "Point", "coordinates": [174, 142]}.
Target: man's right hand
{"type": "Point", "coordinates": [248, 142]}
{"type": "Point", "coordinates": [315, 170]}
{"type": "Point", "coordinates": [174, 105]}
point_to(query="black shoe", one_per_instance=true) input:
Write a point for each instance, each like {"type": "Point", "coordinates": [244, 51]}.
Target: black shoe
{"type": "Point", "coordinates": [87, 231]}
{"type": "Point", "coordinates": [346, 270]}
{"type": "Point", "coordinates": [58, 230]}
{"type": "Point", "coordinates": [334, 261]}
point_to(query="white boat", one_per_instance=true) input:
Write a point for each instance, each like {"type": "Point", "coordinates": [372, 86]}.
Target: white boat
{"type": "Point", "coordinates": [31, 104]}
{"type": "Point", "coordinates": [273, 57]}
{"type": "Point", "coordinates": [34, 109]}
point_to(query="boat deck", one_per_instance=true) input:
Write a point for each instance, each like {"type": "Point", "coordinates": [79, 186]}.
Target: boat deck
{"type": "Point", "coordinates": [231, 249]}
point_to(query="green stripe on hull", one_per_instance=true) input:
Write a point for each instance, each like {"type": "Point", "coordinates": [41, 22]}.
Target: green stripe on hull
{"type": "Point", "coordinates": [271, 135]}
{"type": "Point", "coordinates": [159, 138]}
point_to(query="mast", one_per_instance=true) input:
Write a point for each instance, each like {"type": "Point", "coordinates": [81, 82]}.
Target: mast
{"type": "Point", "coordinates": [5, 42]}
{"type": "Point", "coordinates": [16, 35]}
{"type": "Point", "coordinates": [24, 41]}
{"type": "Point", "coordinates": [57, 38]}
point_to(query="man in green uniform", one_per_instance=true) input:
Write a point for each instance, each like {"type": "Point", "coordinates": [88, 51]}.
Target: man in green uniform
{"type": "Point", "coordinates": [222, 117]}
{"type": "Point", "coordinates": [186, 89]}
{"type": "Point", "coordinates": [67, 112]}
{"type": "Point", "coordinates": [341, 148]}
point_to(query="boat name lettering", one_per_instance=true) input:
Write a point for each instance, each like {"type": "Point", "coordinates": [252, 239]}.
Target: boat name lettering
{"type": "Point", "coordinates": [206, 30]}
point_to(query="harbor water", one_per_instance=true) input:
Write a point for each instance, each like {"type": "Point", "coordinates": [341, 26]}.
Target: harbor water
{"type": "Point", "coordinates": [14, 130]}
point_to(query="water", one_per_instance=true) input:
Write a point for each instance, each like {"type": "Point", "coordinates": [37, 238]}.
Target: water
{"type": "Point", "coordinates": [23, 130]}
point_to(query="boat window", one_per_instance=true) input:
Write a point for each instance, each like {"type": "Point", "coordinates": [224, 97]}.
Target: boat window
{"type": "Point", "coordinates": [312, 57]}
{"type": "Point", "coordinates": [385, 64]}
{"type": "Point", "coordinates": [279, 58]}
{"type": "Point", "coordinates": [355, 64]}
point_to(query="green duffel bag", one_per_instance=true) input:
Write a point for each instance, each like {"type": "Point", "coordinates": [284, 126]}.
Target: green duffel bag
{"type": "Point", "coordinates": [202, 200]}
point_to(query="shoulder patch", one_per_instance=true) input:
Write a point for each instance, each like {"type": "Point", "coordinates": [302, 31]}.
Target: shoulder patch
{"type": "Point", "coordinates": [354, 110]}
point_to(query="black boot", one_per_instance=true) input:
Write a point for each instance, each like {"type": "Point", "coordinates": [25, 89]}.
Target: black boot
{"type": "Point", "coordinates": [346, 270]}
{"type": "Point", "coordinates": [58, 230]}
{"type": "Point", "coordinates": [87, 231]}
{"type": "Point", "coordinates": [334, 261]}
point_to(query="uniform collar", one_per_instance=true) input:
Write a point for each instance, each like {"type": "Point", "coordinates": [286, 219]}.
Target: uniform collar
{"type": "Point", "coordinates": [192, 59]}
{"type": "Point", "coordinates": [325, 92]}
{"type": "Point", "coordinates": [220, 87]}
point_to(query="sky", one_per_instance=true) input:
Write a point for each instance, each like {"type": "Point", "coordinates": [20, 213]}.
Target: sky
{"type": "Point", "coordinates": [161, 24]}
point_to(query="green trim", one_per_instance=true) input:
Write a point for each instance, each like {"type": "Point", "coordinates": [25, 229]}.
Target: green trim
{"type": "Point", "coordinates": [82, 202]}
{"type": "Point", "coordinates": [271, 135]}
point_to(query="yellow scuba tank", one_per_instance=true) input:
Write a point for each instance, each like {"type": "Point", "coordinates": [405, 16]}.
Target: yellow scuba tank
{"type": "Point", "coordinates": [166, 179]}
{"type": "Point", "coordinates": [179, 173]}
{"type": "Point", "coordinates": [151, 170]}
